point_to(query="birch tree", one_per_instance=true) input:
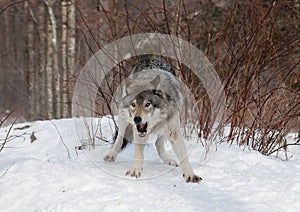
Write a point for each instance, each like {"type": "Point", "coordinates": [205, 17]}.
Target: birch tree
{"type": "Point", "coordinates": [41, 95]}
{"type": "Point", "coordinates": [30, 64]}
{"type": "Point", "coordinates": [68, 54]}
{"type": "Point", "coordinates": [53, 74]}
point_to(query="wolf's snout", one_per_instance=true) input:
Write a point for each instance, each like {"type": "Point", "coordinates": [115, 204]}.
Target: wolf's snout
{"type": "Point", "coordinates": [140, 126]}
{"type": "Point", "coordinates": [137, 120]}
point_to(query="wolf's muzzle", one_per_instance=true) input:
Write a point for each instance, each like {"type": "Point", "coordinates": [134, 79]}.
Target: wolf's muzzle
{"type": "Point", "coordinates": [141, 127]}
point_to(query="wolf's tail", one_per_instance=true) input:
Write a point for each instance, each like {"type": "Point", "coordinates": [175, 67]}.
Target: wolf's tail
{"type": "Point", "coordinates": [127, 137]}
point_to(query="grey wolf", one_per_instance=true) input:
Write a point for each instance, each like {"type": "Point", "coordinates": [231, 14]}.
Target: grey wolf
{"type": "Point", "coordinates": [150, 104]}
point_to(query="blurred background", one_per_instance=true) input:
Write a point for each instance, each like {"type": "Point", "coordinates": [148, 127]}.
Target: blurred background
{"type": "Point", "coordinates": [253, 45]}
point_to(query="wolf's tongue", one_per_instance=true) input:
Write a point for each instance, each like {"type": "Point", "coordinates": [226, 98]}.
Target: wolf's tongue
{"type": "Point", "coordinates": [142, 126]}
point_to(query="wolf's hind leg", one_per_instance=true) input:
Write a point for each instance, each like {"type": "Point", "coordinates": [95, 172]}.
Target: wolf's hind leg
{"type": "Point", "coordinates": [160, 147]}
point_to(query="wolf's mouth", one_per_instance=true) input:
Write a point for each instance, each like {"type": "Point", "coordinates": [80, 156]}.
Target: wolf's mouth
{"type": "Point", "coordinates": [142, 129]}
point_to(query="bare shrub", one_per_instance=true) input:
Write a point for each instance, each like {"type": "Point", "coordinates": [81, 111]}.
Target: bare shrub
{"type": "Point", "coordinates": [262, 50]}
{"type": "Point", "coordinates": [254, 47]}
{"type": "Point", "coordinates": [4, 118]}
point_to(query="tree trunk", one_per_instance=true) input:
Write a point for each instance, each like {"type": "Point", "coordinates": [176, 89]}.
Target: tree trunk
{"type": "Point", "coordinates": [49, 71]}
{"type": "Point", "coordinates": [68, 54]}
{"type": "Point", "coordinates": [72, 52]}
{"type": "Point", "coordinates": [64, 50]}
{"type": "Point", "coordinates": [3, 62]}
{"type": "Point", "coordinates": [53, 73]}
{"type": "Point", "coordinates": [42, 60]}
{"type": "Point", "coordinates": [30, 65]}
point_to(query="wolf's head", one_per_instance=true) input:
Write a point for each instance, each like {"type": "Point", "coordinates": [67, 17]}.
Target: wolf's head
{"type": "Point", "coordinates": [144, 105]}
{"type": "Point", "coordinates": [147, 109]}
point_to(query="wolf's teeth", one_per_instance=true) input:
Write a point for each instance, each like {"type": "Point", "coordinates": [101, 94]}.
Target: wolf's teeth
{"type": "Point", "coordinates": [142, 134]}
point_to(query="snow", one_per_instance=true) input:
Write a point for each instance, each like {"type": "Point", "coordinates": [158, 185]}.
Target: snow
{"type": "Point", "coordinates": [51, 174]}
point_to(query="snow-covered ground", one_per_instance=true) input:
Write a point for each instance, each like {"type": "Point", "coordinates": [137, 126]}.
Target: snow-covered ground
{"type": "Point", "coordinates": [50, 174]}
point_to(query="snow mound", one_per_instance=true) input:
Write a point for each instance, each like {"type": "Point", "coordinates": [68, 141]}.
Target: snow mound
{"type": "Point", "coordinates": [51, 174]}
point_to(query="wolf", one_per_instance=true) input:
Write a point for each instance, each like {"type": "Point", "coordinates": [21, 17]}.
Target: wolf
{"type": "Point", "coordinates": [150, 104]}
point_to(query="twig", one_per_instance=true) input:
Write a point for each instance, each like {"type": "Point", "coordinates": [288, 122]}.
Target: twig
{"type": "Point", "coordinates": [10, 5]}
{"type": "Point", "coordinates": [4, 173]}
{"type": "Point", "coordinates": [6, 137]}
{"type": "Point", "coordinates": [61, 139]}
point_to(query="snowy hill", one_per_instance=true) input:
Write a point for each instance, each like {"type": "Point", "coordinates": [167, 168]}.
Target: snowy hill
{"type": "Point", "coordinates": [51, 174]}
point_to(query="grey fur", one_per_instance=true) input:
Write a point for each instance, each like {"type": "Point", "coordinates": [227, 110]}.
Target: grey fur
{"type": "Point", "coordinates": [150, 104]}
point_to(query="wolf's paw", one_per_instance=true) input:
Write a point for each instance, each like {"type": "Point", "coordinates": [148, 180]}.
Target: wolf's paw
{"type": "Point", "coordinates": [110, 157]}
{"type": "Point", "coordinates": [192, 178]}
{"type": "Point", "coordinates": [171, 162]}
{"type": "Point", "coordinates": [134, 172]}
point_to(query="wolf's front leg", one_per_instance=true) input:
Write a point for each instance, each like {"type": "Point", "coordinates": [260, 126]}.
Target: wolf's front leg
{"type": "Point", "coordinates": [180, 151]}
{"type": "Point", "coordinates": [137, 168]}
{"type": "Point", "coordinates": [112, 155]}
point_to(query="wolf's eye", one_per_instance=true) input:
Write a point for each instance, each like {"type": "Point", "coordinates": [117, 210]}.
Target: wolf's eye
{"type": "Point", "coordinates": [132, 104]}
{"type": "Point", "coordinates": [147, 104]}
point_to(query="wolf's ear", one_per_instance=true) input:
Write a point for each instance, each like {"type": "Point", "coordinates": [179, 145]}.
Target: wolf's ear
{"type": "Point", "coordinates": [155, 81]}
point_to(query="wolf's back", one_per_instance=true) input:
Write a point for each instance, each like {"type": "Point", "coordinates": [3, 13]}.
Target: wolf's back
{"type": "Point", "coordinates": [153, 64]}
{"type": "Point", "coordinates": [147, 69]}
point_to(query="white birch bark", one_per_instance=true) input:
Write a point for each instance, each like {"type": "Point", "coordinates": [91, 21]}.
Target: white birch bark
{"type": "Point", "coordinates": [72, 51]}
{"type": "Point", "coordinates": [41, 93]}
{"type": "Point", "coordinates": [53, 73]}
{"type": "Point", "coordinates": [49, 71]}
{"type": "Point", "coordinates": [64, 48]}
{"type": "Point", "coordinates": [68, 54]}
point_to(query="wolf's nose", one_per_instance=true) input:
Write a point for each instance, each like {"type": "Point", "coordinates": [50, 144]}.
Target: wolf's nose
{"type": "Point", "coordinates": [137, 120]}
